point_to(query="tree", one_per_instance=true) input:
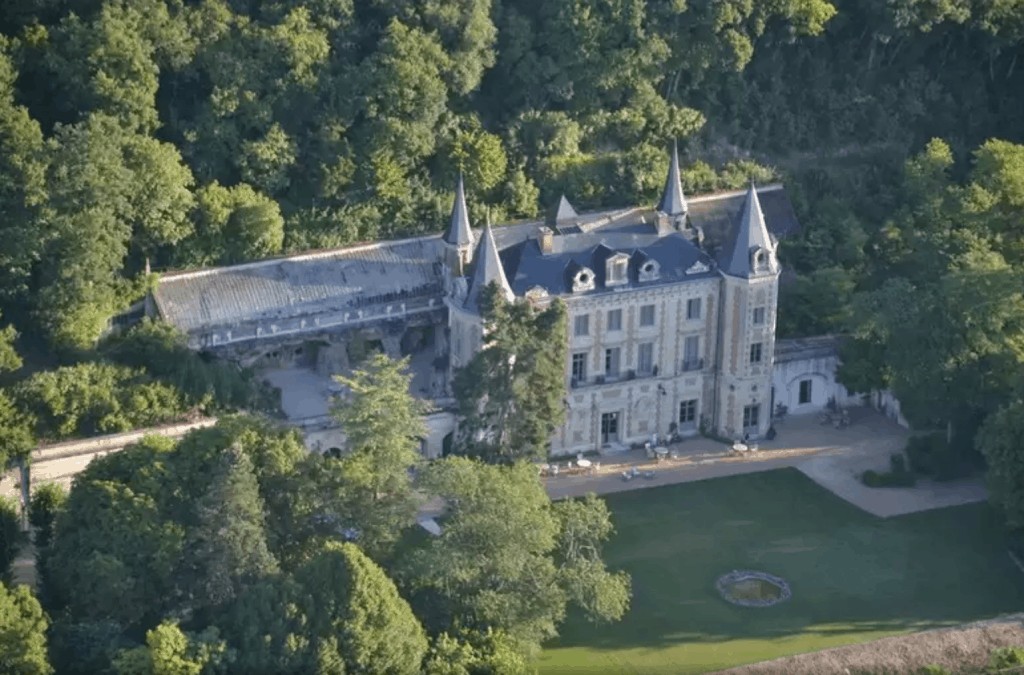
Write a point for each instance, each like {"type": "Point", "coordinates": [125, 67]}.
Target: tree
{"type": "Point", "coordinates": [475, 652]}
{"type": "Point", "coordinates": [234, 225]}
{"type": "Point", "coordinates": [585, 524]}
{"type": "Point", "coordinates": [999, 441]}
{"type": "Point", "coordinates": [11, 537]}
{"type": "Point", "coordinates": [227, 549]}
{"type": "Point", "coordinates": [511, 394]}
{"type": "Point", "coordinates": [22, 633]}
{"type": "Point", "coordinates": [170, 651]}
{"type": "Point", "coordinates": [369, 488]}
{"type": "Point", "coordinates": [492, 566]}
{"type": "Point", "coordinates": [352, 601]}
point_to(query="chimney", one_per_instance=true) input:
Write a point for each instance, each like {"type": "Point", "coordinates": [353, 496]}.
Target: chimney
{"type": "Point", "coordinates": [546, 239]}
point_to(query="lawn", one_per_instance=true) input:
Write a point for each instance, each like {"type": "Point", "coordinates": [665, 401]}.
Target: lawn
{"type": "Point", "coordinates": [854, 577]}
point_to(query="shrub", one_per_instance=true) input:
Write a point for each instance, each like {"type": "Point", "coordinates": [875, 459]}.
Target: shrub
{"type": "Point", "coordinates": [932, 455]}
{"type": "Point", "coordinates": [46, 502]}
{"type": "Point", "coordinates": [90, 399]}
{"type": "Point", "coordinates": [1006, 657]}
{"type": "Point", "coordinates": [898, 476]}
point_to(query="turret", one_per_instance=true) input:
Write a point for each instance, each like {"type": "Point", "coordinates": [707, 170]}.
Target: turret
{"type": "Point", "coordinates": [487, 268]}
{"type": "Point", "coordinates": [672, 208]}
{"type": "Point", "coordinates": [459, 240]}
{"type": "Point", "coordinates": [753, 251]}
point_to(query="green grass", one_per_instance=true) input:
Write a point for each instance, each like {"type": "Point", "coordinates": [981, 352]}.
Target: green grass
{"type": "Point", "coordinates": [854, 577]}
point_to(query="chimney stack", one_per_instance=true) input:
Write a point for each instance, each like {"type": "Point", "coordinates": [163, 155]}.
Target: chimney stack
{"type": "Point", "coordinates": [546, 239]}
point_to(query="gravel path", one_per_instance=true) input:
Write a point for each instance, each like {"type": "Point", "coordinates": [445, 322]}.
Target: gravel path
{"type": "Point", "coordinates": [833, 458]}
{"type": "Point", "coordinates": [958, 649]}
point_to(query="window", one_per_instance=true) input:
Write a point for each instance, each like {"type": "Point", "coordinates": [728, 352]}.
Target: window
{"type": "Point", "coordinates": [611, 361]}
{"type": "Point", "coordinates": [693, 308]}
{"type": "Point", "coordinates": [615, 319]}
{"type": "Point", "coordinates": [755, 352]}
{"type": "Point", "coordinates": [751, 415]}
{"type": "Point", "coordinates": [579, 367]}
{"type": "Point", "coordinates": [645, 358]}
{"type": "Point", "coordinates": [758, 316]}
{"type": "Point", "coordinates": [582, 325]}
{"type": "Point", "coordinates": [617, 270]}
{"type": "Point", "coordinates": [688, 412]}
{"type": "Point", "coordinates": [647, 315]}
{"type": "Point", "coordinates": [691, 353]}
{"type": "Point", "coordinates": [805, 392]}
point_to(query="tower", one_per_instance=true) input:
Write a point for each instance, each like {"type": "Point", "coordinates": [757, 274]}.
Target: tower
{"type": "Point", "coordinates": [465, 323]}
{"type": "Point", "coordinates": [459, 240]}
{"type": "Point", "coordinates": [749, 298]}
{"type": "Point", "coordinates": [671, 211]}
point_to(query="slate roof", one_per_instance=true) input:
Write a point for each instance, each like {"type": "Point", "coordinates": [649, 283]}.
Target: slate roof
{"type": "Point", "coordinates": [672, 200]}
{"type": "Point", "coordinates": [459, 232]}
{"type": "Point", "coordinates": [752, 233]}
{"type": "Point", "coordinates": [800, 349]}
{"type": "Point", "coordinates": [301, 286]}
{"type": "Point", "coordinates": [487, 267]}
{"type": "Point", "coordinates": [527, 267]}
{"type": "Point", "coordinates": [718, 216]}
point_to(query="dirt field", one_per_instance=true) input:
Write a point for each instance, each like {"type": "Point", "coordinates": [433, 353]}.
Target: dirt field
{"type": "Point", "coordinates": [958, 649]}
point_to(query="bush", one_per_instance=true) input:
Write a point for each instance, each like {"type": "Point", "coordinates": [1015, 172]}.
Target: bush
{"type": "Point", "coordinates": [1006, 657]}
{"type": "Point", "coordinates": [90, 399]}
{"type": "Point", "coordinates": [897, 476]}
{"type": "Point", "coordinates": [46, 502]}
{"type": "Point", "coordinates": [932, 455]}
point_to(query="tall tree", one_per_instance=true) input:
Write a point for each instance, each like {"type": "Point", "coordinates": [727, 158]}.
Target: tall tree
{"type": "Point", "coordinates": [170, 651]}
{"type": "Point", "coordinates": [369, 488]}
{"type": "Point", "coordinates": [228, 548]}
{"type": "Point", "coordinates": [22, 633]}
{"type": "Point", "coordinates": [999, 441]}
{"type": "Point", "coordinates": [352, 602]}
{"type": "Point", "coordinates": [511, 394]}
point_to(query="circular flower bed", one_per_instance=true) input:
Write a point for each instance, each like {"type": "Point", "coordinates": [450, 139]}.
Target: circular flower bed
{"type": "Point", "coordinates": [749, 588]}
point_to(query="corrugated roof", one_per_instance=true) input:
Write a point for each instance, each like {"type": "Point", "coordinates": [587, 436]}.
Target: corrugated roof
{"type": "Point", "coordinates": [303, 285]}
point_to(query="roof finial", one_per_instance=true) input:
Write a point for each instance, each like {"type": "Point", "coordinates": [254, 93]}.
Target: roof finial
{"type": "Point", "coordinates": [672, 201]}
{"type": "Point", "coordinates": [459, 233]}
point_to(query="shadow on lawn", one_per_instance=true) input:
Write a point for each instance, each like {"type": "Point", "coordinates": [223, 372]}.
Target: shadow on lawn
{"type": "Point", "coordinates": [610, 640]}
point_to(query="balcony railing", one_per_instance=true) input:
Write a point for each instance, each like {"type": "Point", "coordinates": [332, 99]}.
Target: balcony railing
{"type": "Point", "coordinates": [692, 364]}
{"type": "Point", "coordinates": [607, 378]}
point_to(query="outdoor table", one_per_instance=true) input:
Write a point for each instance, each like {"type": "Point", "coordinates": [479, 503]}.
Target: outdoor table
{"type": "Point", "coordinates": [739, 447]}
{"type": "Point", "coordinates": [583, 463]}
{"type": "Point", "coordinates": [661, 452]}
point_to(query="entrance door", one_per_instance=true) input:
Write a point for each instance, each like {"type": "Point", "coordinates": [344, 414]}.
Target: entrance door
{"type": "Point", "coordinates": [609, 427]}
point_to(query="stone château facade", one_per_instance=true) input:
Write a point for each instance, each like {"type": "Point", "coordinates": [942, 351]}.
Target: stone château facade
{"type": "Point", "coordinates": [672, 309]}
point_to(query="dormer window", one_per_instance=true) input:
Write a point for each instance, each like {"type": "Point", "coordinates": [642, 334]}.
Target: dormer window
{"type": "Point", "coordinates": [583, 280]}
{"type": "Point", "coordinates": [760, 260]}
{"type": "Point", "coordinates": [649, 270]}
{"type": "Point", "coordinates": [617, 271]}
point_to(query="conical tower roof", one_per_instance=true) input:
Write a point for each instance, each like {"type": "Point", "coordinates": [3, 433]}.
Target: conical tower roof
{"type": "Point", "coordinates": [752, 233]}
{"type": "Point", "coordinates": [565, 211]}
{"type": "Point", "coordinates": [672, 201]}
{"type": "Point", "coordinates": [459, 232]}
{"type": "Point", "coordinates": [487, 268]}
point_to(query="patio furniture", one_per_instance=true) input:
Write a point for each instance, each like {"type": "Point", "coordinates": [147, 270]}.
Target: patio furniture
{"type": "Point", "coordinates": [674, 454]}
{"type": "Point", "coordinates": [584, 463]}
{"type": "Point", "coordinates": [661, 452]}
{"type": "Point", "coordinates": [627, 476]}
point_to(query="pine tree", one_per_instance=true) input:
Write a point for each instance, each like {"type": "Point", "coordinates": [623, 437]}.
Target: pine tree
{"type": "Point", "coordinates": [228, 546]}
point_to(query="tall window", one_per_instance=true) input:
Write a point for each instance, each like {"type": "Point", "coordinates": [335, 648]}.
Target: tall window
{"type": "Point", "coordinates": [805, 391]}
{"type": "Point", "coordinates": [579, 367]}
{"type": "Point", "coordinates": [615, 319]}
{"type": "Point", "coordinates": [582, 325]}
{"type": "Point", "coordinates": [758, 316]}
{"type": "Point", "coordinates": [617, 270]}
{"type": "Point", "coordinates": [691, 353]}
{"type": "Point", "coordinates": [645, 358]}
{"type": "Point", "coordinates": [693, 308]}
{"type": "Point", "coordinates": [751, 415]}
{"type": "Point", "coordinates": [612, 358]}
{"type": "Point", "coordinates": [688, 412]}
{"type": "Point", "coordinates": [755, 352]}
{"type": "Point", "coordinates": [647, 315]}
